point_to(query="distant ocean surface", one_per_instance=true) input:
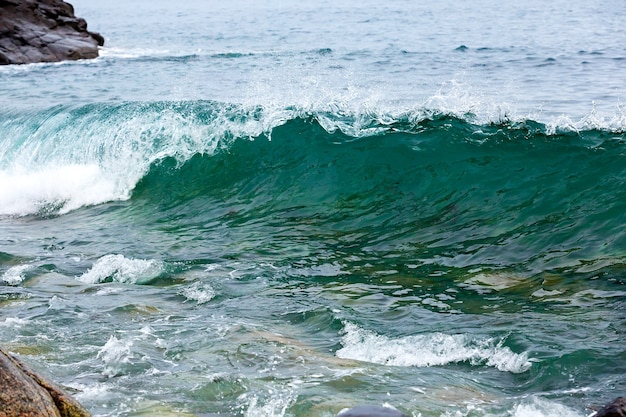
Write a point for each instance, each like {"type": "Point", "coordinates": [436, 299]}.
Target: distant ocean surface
{"type": "Point", "coordinates": [285, 209]}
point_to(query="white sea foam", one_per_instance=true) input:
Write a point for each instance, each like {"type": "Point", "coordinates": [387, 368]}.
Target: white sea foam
{"type": "Point", "coordinates": [540, 407]}
{"type": "Point", "coordinates": [14, 322]}
{"type": "Point", "coordinates": [532, 406]}
{"type": "Point", "coordinates": [37, 66]}
{"type": "Point", "coordinates": [57, 303]}
{"type": "Point", "coordinates": [115, 354]}
{"type": "Point", "coordinates": [55, 189]}
{"type": "Point", "coordinates": [90, 392]}
{"type": "Point", "coordinates": [432, 349]}
{"type": "Point", "coordinates": [121, 269]}
{"type": "Point", "coordinates": [359, 112]}
{"type": "Point", "coordinates": [114, 52]}
{"type": "Point", "coordinates": [198, 292]}
{"type": "Point", "coordinates": [15, 274]}
{"type": "Point", "coordinates": [613, 122]}
{"type": "Point", "coordinates": [273, 404]}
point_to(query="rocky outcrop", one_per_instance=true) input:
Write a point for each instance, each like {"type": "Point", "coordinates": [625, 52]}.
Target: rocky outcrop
{"type": "Point", "coordinates": [24, 393]}
{"type": "Point", "coordinates": [44, 31]}
{"type": "Point", "coordinates": [615, 409]}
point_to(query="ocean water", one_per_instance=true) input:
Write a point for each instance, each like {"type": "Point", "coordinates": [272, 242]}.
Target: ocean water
{"type": "Point", "coordinates": [284, 209]}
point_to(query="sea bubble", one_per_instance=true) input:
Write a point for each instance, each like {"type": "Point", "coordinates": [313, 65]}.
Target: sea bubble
{"type": "Point", "coordinates": [118, 268]}
{"type": "Point", "coordinates": [432, 349]}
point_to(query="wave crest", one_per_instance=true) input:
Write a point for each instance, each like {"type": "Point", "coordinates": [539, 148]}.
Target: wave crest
{"type": "Point", "coordinates": [435, 349]}
{"type": "Point", "coordinates": [63, 158]}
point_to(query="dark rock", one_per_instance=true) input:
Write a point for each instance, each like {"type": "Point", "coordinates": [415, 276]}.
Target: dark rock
{"type": "Point", "coordinates": [25, 393]}
{"type": "Point", "coordinates": [371, 411]}
{"type": "Point", "coordinates": [44, 31]}
{"type": "Point", "coordinates": [615, 409]}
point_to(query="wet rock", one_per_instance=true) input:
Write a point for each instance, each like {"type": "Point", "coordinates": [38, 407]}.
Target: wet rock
{"type": "Point", "coordinates": [370, 411]}
{"type": "Point", "coordinates": [24, 393]}
{"type": "Point", "coordinates": [615, 409]}
{"type": "Point", "coordinates": [44, 31]}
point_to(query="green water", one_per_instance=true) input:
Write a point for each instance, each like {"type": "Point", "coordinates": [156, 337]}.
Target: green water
{"type": "Point", "coordinates": [438, 265]}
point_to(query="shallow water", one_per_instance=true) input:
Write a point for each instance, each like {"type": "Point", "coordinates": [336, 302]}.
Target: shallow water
{"type": "Point", "coordinates": [288, 209]}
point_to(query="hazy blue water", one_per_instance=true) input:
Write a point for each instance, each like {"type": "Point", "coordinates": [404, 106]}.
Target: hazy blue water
{"type": "Point", "coordinates": [285, 209]}
{"type": "Point", "coordinates": [533, 58]}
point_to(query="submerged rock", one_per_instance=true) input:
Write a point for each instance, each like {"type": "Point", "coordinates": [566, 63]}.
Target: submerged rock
{"type": "Point", "coordinates": [615, 409]}
{"type": "Point", "coordinates": [24, 393]}
{"type": "Point", "coordinates": [44, 31]}
{"type": "Point", "coordinates": [370, 411]}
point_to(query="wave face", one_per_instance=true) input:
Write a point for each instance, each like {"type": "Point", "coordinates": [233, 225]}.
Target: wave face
{"type": "Point", "coordinates": [64, 158]}
{"type": "Point", "coordinates": [505, 193]}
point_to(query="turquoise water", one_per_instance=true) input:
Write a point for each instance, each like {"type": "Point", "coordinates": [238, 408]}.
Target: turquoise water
{"type": "Point", "coordinates": [289, 209]}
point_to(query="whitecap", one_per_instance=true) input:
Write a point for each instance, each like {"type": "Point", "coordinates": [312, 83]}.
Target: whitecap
{"type": "Point", "coordinates": [15, 274]}
{"type": "Point", "coordinates": [121, 269]}
{"type": "Point", "coordinates": [115, 354]}
{"type": "Point", "coordinates": [540, 407]}
{"type": "Point", "coordinates": [274, 404]}
{"type": "Point", "coordinates": [132, 53]}
{"type": "Point", "coordinates": [15, 322]}
{"type": "Point", "coordinates": [54, 189]}
{"type": "Point", "coordinates": [431, 349]}
{"type": "Point", "coordinates": [56, 303]}
{"type": "Point", "coordinates": [201, 293]}
{"type": "Point", "coordinates": [86, 393]}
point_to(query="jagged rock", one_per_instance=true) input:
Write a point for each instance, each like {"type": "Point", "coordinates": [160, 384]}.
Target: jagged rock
{"type": "Point", "coordinates": [370, 411]}
{"type": "Point", "coordinates": [44, 31]}
{"type": "Point", "coordinates": [27, 394]}
{"type": "Point", "coordinates": [615, 409]}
